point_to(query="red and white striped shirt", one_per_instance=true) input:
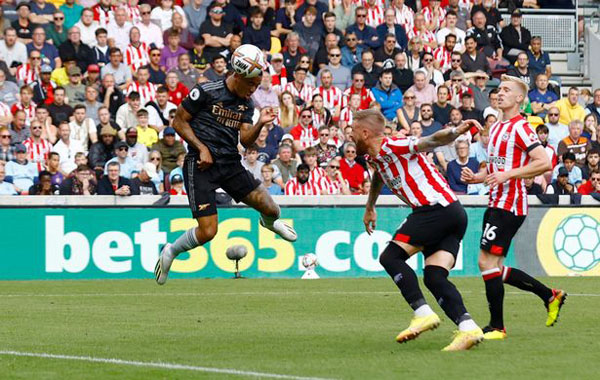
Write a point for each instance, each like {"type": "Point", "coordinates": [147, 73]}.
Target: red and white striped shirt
{"type": "Point", "coordinates": [278, 80]}
{"type": "Point", "coordinates": [133, 13]}
{"type": "Point", "coordinates": [37, 152]}
{"type": "Point", "coordinates": [346, 115]}
{"type": "Point", "coordinates": [424, 35]}
{"type": "Point", "coordinates": [26, 74]}
{"type": "Point", "coordinates": [428, 15]}
{"type": "Point", "coordinates": [410, 176]}
{"type": "Point", "coordinates": [405, 17]}
{"type": "Point", "coordinates": [316, 175]}
{"type": "Point", "coordinates": [147, 92]}
{"type": "Point", "coordinates": [510, 142]}
{"type": "Point", "coordinates": [375, 16]}
{"type": "Point", "coordinates": [305, 93]}
{"type": "Point", "coordinates": [319, 120]}
{"type": "Point", "coordinates": [444, 57]}
{"type": "Point", "coordinates": [293, 187]}
{"type": "Point", "coordinates": [331, 186]}
{"type": "Point", "coordinates": [332, 97]}
{"type": "Point", "coordinates": [102, 15]}
{"type": "Point", "coordinates": [29, 111]}
{"type": "Point", "coordinates": [366, 97]}
{"type": "Point", "coordinates": [307, 136]}
{"type": "Point", "coordinates": [4, 110]}
{"type": "Point", "coordinates": [137, 56]}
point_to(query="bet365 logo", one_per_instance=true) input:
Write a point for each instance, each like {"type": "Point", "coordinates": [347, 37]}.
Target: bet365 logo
{"type": "Point", "coordinates": [577, 242]}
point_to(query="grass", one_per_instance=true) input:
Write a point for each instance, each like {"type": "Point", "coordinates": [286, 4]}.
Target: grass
{"type": "Point", "coordinates": [342, 328]}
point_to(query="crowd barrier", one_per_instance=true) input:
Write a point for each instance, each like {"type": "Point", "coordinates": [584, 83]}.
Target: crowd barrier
{"type": "Point", "coordinates": [45, 238]}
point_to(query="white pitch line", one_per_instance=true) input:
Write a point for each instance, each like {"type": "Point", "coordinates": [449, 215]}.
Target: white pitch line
{"type": "Point", "coordinates": [200, 294]}
{"type": "Point", "coordinates": [225, 371]}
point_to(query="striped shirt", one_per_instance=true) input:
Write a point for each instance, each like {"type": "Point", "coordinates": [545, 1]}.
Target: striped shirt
{"type": "Point", "coordinates": [102, 15]}
{"type": "Point", "coordinates": [147, 92]}
{"type": "Point", "coordinates": [510, 143]}
{"type": "Point", "coordinates": [375, 16]}
{"type": "Point", "coordinates": [331, 186]}
{"type": "Point", "coordinates": [410, 176]}
{"type": "Point", "coordinates": [346, 115]}
{"type": "Point", "coordinates": [366, 97]}
{"type": "Point", "coordinates": [305, 92]}
{"type": "Point", "coordinates": [133, 14]}
{"type": "Point", "coordinates": [29, 111]}
{"type": "Point", "coordinates": [405, 17]}
{"type": "Point", "coordinates": [306, 136]}
{"type": "Point", "coordinates": [332, 97]}
{"type": "Point", "coordinates": [424, 35]}
{"type": "Point", "coordinates": [293, 187]}
{"type": "Point", "coordinates": [444, 57]}
{"type": "Point", "coordinates": [428, 15]}
{"type": "Point", "coordinates": [316, 175]}
{"type": "Point", "coordinates": [25, 74]}
{"type": "Point", "coordinates": [137, 56]}
{"type": "Point", "coordinates": [38, 152]}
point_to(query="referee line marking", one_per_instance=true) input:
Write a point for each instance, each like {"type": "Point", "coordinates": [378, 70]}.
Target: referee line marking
{"type": "Point", "coordinates": [161, 365]}
{"type": "Point", "coordinates": [199, 294]}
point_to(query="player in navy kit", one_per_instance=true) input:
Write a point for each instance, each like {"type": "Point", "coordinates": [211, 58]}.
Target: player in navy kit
{"type": "Point", "coordinates": [212, 119]}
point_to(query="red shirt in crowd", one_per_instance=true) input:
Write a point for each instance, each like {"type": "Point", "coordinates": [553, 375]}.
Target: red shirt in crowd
{"type": "Point", "coordinates": [352, 172]}
{"type": "Point", "coordinates": [177, 95]}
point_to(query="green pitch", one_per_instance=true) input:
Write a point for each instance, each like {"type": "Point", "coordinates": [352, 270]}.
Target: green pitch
{"type": "Point", "coordinates": [324, 328]}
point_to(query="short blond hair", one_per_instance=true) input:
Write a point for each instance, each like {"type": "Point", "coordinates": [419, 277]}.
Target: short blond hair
{"type": "Point", "coordinates": [373, 115]}
{"type": "Point", "coordinates": [524, 87]}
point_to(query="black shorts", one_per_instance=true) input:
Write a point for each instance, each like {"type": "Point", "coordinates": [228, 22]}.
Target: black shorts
{"type": "Point", "coordinates": [499, 228]}
{"type": "Point", "coordinates": [201, 185]}
{"type": "Point", "coordinates": [434, 228]}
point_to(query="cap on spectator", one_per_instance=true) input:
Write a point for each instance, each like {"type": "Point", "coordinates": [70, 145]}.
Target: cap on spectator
{"type": "Point", "coordinates": [516, 13]}
{"type": "Point", "coordinates": [277, 57]}
{"type": "Point", "coordinates": [20, 148]}
{"type": "Point", "coordinates": [169, 131]}
{"type": "Point", "coordinates": [121, 144]}
{"type": "Point", "coordinates": [23, 4]}
{"type": "Point", "coordinates": [287, 136]}
{"type": "Point", "coordinates": [131, 131]}
{"type": "Point", "coordinates": [177, 178]}
{"type": "Point", "coordinates": [93, 68]}
{"type": "Point", "coordinates": [75, 70]}
{"type": "Point", "coordinates": [107, 130]}
{"type": "Point", "coordinates": [216, 8]}
{"type": "Point", "coordinates": [69, 58]}
{"type": "Point", "coordinates": [46, 69]}
{"type": "Point", "coordinates": [562, 171]}
{"type": "Point", "coordinates": [150, 169]}
{"type": "Point", "coordinates": [465, 94]}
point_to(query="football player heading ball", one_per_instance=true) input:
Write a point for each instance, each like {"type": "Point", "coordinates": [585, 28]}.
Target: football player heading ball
{"type": "Point", "coordinates": [212, 119]}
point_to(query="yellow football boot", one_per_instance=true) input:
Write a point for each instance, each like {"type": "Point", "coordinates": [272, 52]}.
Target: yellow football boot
{"type": "Point", "coordinates": [554, 306]}
{"type": "Point", "coordinates": [464, 340]}
{"type": "Point", "coordinates": [417, 326]}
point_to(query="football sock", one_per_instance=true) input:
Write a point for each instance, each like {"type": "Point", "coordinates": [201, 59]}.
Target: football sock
{"type": "Point", "coordinates": [268, 220]}
{"type": "Point", "coordinates": [423, 311]}
{"type": "Point", "coordinates": [523, 281]}
{"type": "Point", "coordinates": [494, 291]}
{"type": "Point", "coordinates": [393, 259]}
{"type": "Point", "coordinates": [445, 293]}
{"type": "Point", "coordinates": [467, 325]}
{"type": "Point", "coordinates": [185, 242]}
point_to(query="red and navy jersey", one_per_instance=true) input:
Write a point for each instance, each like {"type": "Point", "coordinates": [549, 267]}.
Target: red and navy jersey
{"type": "Point", "coordinates": [410, 176]}
{"type": "Point", "coordinates": [510, 143]}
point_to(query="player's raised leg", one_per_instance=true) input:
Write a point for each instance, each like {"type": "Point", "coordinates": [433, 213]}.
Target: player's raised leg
{"type": "Point", "coordinates": [260, 200]}
{"type": "Point", "coordinates": [393, 259]}
{"type": "Point", "coordinates": [490, 265]}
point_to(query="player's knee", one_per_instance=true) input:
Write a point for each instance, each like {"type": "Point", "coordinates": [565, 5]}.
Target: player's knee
{"type": "Point", "coordinates": [486, 263]}
{"type": "Point", "coordinates": [206, 233]}
{"type": "Point", "coordinates": [391, 253]}
{"type": "Point", "coordinates": [434, 277]}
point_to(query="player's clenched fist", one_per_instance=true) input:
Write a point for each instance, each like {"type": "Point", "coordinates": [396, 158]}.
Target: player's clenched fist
{"type": "Point", "coordinates": [467, 175]}
{"type": "Point", "coordinates": [205, 159]}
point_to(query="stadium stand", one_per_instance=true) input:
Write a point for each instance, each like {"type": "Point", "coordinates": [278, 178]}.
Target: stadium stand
{"type": "Point", "coordinates": [87, 83]}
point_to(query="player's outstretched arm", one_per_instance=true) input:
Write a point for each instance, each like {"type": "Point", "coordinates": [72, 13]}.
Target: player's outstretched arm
{"type": "Point", "coordinates": [370, 217]}
{"type": "Point", "coordinates": [249, 133]}
{"type": "Point", "coordinates": [181, 123]}
{"type": "Point", "coordinates": [539, 164]}
{"type": "Point", "coordinates": [446, 136]}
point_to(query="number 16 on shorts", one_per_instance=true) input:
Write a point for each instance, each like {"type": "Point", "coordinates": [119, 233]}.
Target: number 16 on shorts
{"type": "Point", "coordinates": [489, 234]}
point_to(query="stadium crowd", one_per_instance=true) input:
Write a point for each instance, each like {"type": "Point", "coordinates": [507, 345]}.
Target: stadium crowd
{"type": "Point", "coordinates": [89, 89]}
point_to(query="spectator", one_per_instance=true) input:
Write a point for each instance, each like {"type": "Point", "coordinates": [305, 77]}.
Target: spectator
{"type": "Point", "coordinates": [532, 187]}
{"type": "Point", "coordinates": [19, 130]}
{"type": "Point", "coordinates": [515, 38]}
{"type": "Point", "coordinates": [82, 183]}
{"type": "Point", "coordinates": [541, 97]}
{"type": "Point", "coordinates": [53, 166]}
{"type": "Point", "coordinates": [592, 163]}
{"type": "Point", "coordinates": [87, 27]}
{"type": "Point", "coordinates": [463, 160]}
{"type": "Point", "coordinates": [74, 90]}
{"type": "Point", "coordinates": [267, 172]}
{"type": "Point", "coordinates": [127, 113]}
{"type": "Point", "coordinates": [285, 164]}
{"type": "Point", "coordinates": [387, 52]}
{"type": "Point", "coordinates": [156, 160]}
{"type": "Point", "coordinates": [157, 75]}
{"type": "Point", "coordinates": [73, 47]}
{"type": "Point", "coordinates": [218, 69]}
{"type": "Point", "coordinates": [589, 187]}
{"type": "Point", "coordinates": [428, 123]}
{"type": "Point", "coordinates": [556, 130]}
{"type": "Point", "coordinates": [473, 59]}
{"type": "Point", "coordinates": [542, 133]}
{"type": "Point", "coordinates": [83, 129]}
{"type": "Point", "coordinates": [311, 159]}
{"type": "Point", "coordinates": [370, 71]}
{"type": "Point", "coordinates": [29, 72]}
{"type": "Point", "coordinates": [539, 61]}
{"type": "Point", "coordinates": [468, 108]}
{"type": "Point", "coordinates": [321, 116]}
{"type": "Point", "coordinates": [329, 28]}
{"type": "Point", "coordinates": [423, 35]}
{"type": "Point", "coordinates": [265, 95]}
{"type": "Point", "coordinates": [37, 147]}
{"type": "Point", "coordinates": [91, 104]}
{"type": "Point", "coordinates": [119, 70]}
{"type": "Point", "coordinates": [300, 184]}
{"type": "Point", "coordinates": [44, 186]}
{"type": "Point", "coordinates": [185, 36]}
{"type": "Point", "coordinates": [66, 148]}
{"type": "Point", "coordinates": [304, 134]}
{"type": "Point", "coordinates": [332, 96]}
{"type": "Point", "coordinates": [333, 183]}
{"type": "Point", "coordinates": [22, 171]}
{"type": "Point", "coordinates": [387, 95]}
{"type": "Point", "coordinates": [142, 86]}
{"type": "Point", "coordinates": [41, 12]}
{"type": "Point", "coordinates": [455, 67]}
{"type": "Point", "coordinates": [403, 76]}
{"type": "Point", "coordinates": [351, 170]}
{"type": "Point", "coordinates": [409, 112]}
{"type": "Point", "coordinates": [256, 32]}
{"type": "Point", "coordinates": [487, 38]}
{"type": "Point", "coordinates": [170, 53]}
{"type": "Point", "coordinates": [118, 29]}
{"type": "Point", "coordinates": [594, 107]}
{"type": "Point", "coordinates": [351, 51]}
{"type": "Point", "coordinates": [143, 184]}
{"type": "Point", "coordinates": [136, 51]}
{"type": "Point", "coordinates": [49, 131]}
{"type": "Point", "coordinates": [390, 26]}
{"type": "Point", "coordinates": [266, 151]}
{"type": "Point", "coordinates": [113, 183]}
{"type": "Point", "coordinates": [187, 74]}
{"type": "Point", "coordinates": [111, 95]}
{"type": "Point", "coordinates": [441, 108]}
{"type": "Point", "coordinates": [176, 90]}
{"type": "Point", "coordinates": [25, 104]}
{"type": "Point", "coordinates": [292, 53]}
{"type": "Point", "coordinates": [72, 13]}
{"type": "Point", "coordinates": [101, 50]}
{"type": "Point", "coordinates": [251, 163]}
{"type": "Point", "coordinates": [478, 150]}
{"type": "Point", "coordinates": [216, 34]}
{"type": "Point", "coordinates": [575, 143]}
{"type": "Point", "coordinates": [569, 107]}
{"type": "Point", "coordinates": [326, 150]}
{"type": "Point", "coordinates": [6, 188]}
{"type": "Point", "coordinates": [12, 51]}
{"type": "Point", "coordinates": [569, 163]}
{"type": "Point", "coordinates": [177, 185]}
{"type": "Point", "coordinates": [103, 12]}
{"type": "Point", "coordinates": [138, 152]}
{"type": "Point", "coordinates": [22, 25]}
{"type": "Point", "coordinates": [404, 13]}
{"type": "Point", "coordinates": [195, 14]}
{"type": "Point", "coordinates": [146, 134]}
{"type": "Point", "coordinates": [451, 28]}
{"type": "Point", "coordinates": [562, 185]}
{"type": "Point", "coordinates": [150, 32]}
{"type": "Point", "coordinates": [443, 54]}
{"type": "Point", "coordinates": [127, 165]}
{"type": "Point", "coordinates": [309, 31]}
{"type": "Point", "coordinates": [521, 70]}
{"type": "Point", "coordinates": [341, 75]}
{"type": "Point", "coordinates": [7, 150]}
{"type": "Point", "coordinates": [347, 113]}
{"type": "Point", "coordinates": [8, 90]}
{"type": "Point", "coordinates": [367, 36]}
{"type": "Point", "coordinates": [424, 91]}
{"type": "Point", "coordinates": [493, 109]}
{"type": "Point", "coordinates": [48, 51]}
{"type": "Point", "coordinates": [104, 150]}
{"type": "Point", "coordinates": [169, 149]}
{"type": "Point", "coordinates": [285, 20]}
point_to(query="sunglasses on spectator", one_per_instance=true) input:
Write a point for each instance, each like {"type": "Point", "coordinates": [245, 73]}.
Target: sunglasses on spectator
{"type": "Point", "coordinates": [36, 127]}
{"type": "Point", "coordinates": [5, 136]}
{"type": "Point", "coordinates": [594, 179]}
{"type": "Point", "coordinates": [456, 80]}
{"type": "Point", "coordinates": [361, 15]}
{"type": "Point", "coordinates": [155, 55]}
{"type": "Point", "coordinates": [359, 80]}
{"type": "Point", "coordinates": [36, 58]}
{"type": "Point", "coordinates": [350, 151]}
{"type": "Point", "coordinates": [410, 97]}
{"type": "Point", "coordinates": [154, 158]}
{"type": "Point", "coordinates": [456, 60]}
{"type": "Point", "coordinates": [305, 116]}
{"type": "Point", "coordinates": [334, 55]}
{"type": "Point", "coordinates": [58, 18]}
{"type": "Point", "coordinates": [324, 134]}
{"type": "Point", "coordinates": [333, 167]}
{"type": "Point", "coordinates": [552, 114]}
{"type": "Point", "coordinates": [350, 39]}
{"type": "Point", "coordinates": [427, 60]}
{"type": "Point", "coordinates": [120, 149]}
{"type": "Point", "coordinates": [145, 13]}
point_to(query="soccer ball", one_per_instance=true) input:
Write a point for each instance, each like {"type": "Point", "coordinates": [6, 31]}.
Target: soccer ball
{"type": "Point", "coordinates": [577, 242]}
{"type": "Point", "coordinates": [309, 261]}
{"type": "Point", "coordinates": [248, 61]}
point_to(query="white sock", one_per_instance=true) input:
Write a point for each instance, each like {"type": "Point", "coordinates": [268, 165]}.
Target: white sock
{"type": "Point", "coordinates": [467, 325]}
{"type": "Point", "coordinates": [423, 311]}
{"type": "Point", "coordinates": [185, 242]}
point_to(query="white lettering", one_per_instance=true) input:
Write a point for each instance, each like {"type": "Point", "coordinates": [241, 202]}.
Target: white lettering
{"type": "Point", "coordinates": [363, 250]}
{"type": "Point", "coordinates": [57, 240]}
{"type": "Point", "coordinates": [103, 252]}
{"type": "Point", "coordinates": [149, 238]}
{"type": "Point", "coordinates": [325, 251]}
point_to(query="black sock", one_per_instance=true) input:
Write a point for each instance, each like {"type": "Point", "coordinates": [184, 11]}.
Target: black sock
{"type": "Point", "coordinates": [523, 281]}
{"type": "Point", "coordinates": [494, 291]}
{"type": "Point", "coordinates": [446, 294]}
{"type": "Point", "coordinates": [393, 259]}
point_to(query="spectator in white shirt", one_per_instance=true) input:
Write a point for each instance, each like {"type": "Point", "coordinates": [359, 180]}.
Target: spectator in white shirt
{"type": "Point", "coordinates": [163, 14]}
{"type": "Point", "coordinates": [83, 129]}
{"type": "Point", "coordinates": [66, 148]}
{"type": "Point", "coordinates": [87, 27]}
{"type": "Point", "coordinates": [118, 30]}
{"type": "Point", "coordinates": [12, 51]}
{"type": "Point", "coordinates": [150, 32]}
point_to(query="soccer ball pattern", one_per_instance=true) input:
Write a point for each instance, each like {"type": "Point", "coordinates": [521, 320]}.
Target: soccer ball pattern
{"type": "Point", "coordinates": [248, 61]}
{"type": "Point", "coordinates": [309, 261]}
{"type": "Point", "coordinates": [577, 242]}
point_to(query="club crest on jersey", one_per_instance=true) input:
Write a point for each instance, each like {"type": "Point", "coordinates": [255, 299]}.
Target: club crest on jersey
{"type": "Point", "coordinates": [242, 107]}
{"type": "Point", "coordinates": [505, 137]}
{"type": "Point", "coordinates": [388, 159]}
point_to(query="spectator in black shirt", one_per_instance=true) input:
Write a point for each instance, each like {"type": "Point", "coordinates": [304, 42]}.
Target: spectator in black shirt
{"type": "Point", "coordinates": [216, 33]}
{"type": "Point", "coordinates": [387, 51]}
{"type": "Point", "coordinates": [486, 36]}
{"type": "Point", "coordinates": [329, 27]}
{"type": "Point", "coordinates": [157, 75]}
{"type": "Point", "coordinates": [522, 71]}
{"type": "Point", "coordinates": [82, 183]}
{"type": "Point", "coordinates": [491, 13]}
{"type": "Point", "coordinates": [532, 187]}
{"type": "Point", "coordinates": [256, 32]}
{"type": "Point", "coordinates": [112, 183]}
{"type": "Point", "coordinates": [515, 38]}
{"type": "Point", "coordinates": [45, 185]}
{"type": "Point", "coordinates": [268, 14]}
{"type": "Point", "coordinates": [22, 25]}
{"type": "Point", "coordinates": [59, 110]}
{"type": "Point", "coordinates": [142, 184]}
{"type": "Point", "coordinates": [403, 76]}
{"type": "Point", "coordinates": [474, 60]}
{"type": "Point", "coordinates": [368, 68]}
{"type": "Point", "coordinates": [468, 108]}
{"type": "Point", "coordinates": [102, 151]}
{"type": "Point", "coordinates": [441, 108]}
{"type": "Point", "coordinates": [292, 53]}
{"type": "Point", "coordinates": [111, 95]}
{"type": "Point", "coordinates": [73, 47]}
